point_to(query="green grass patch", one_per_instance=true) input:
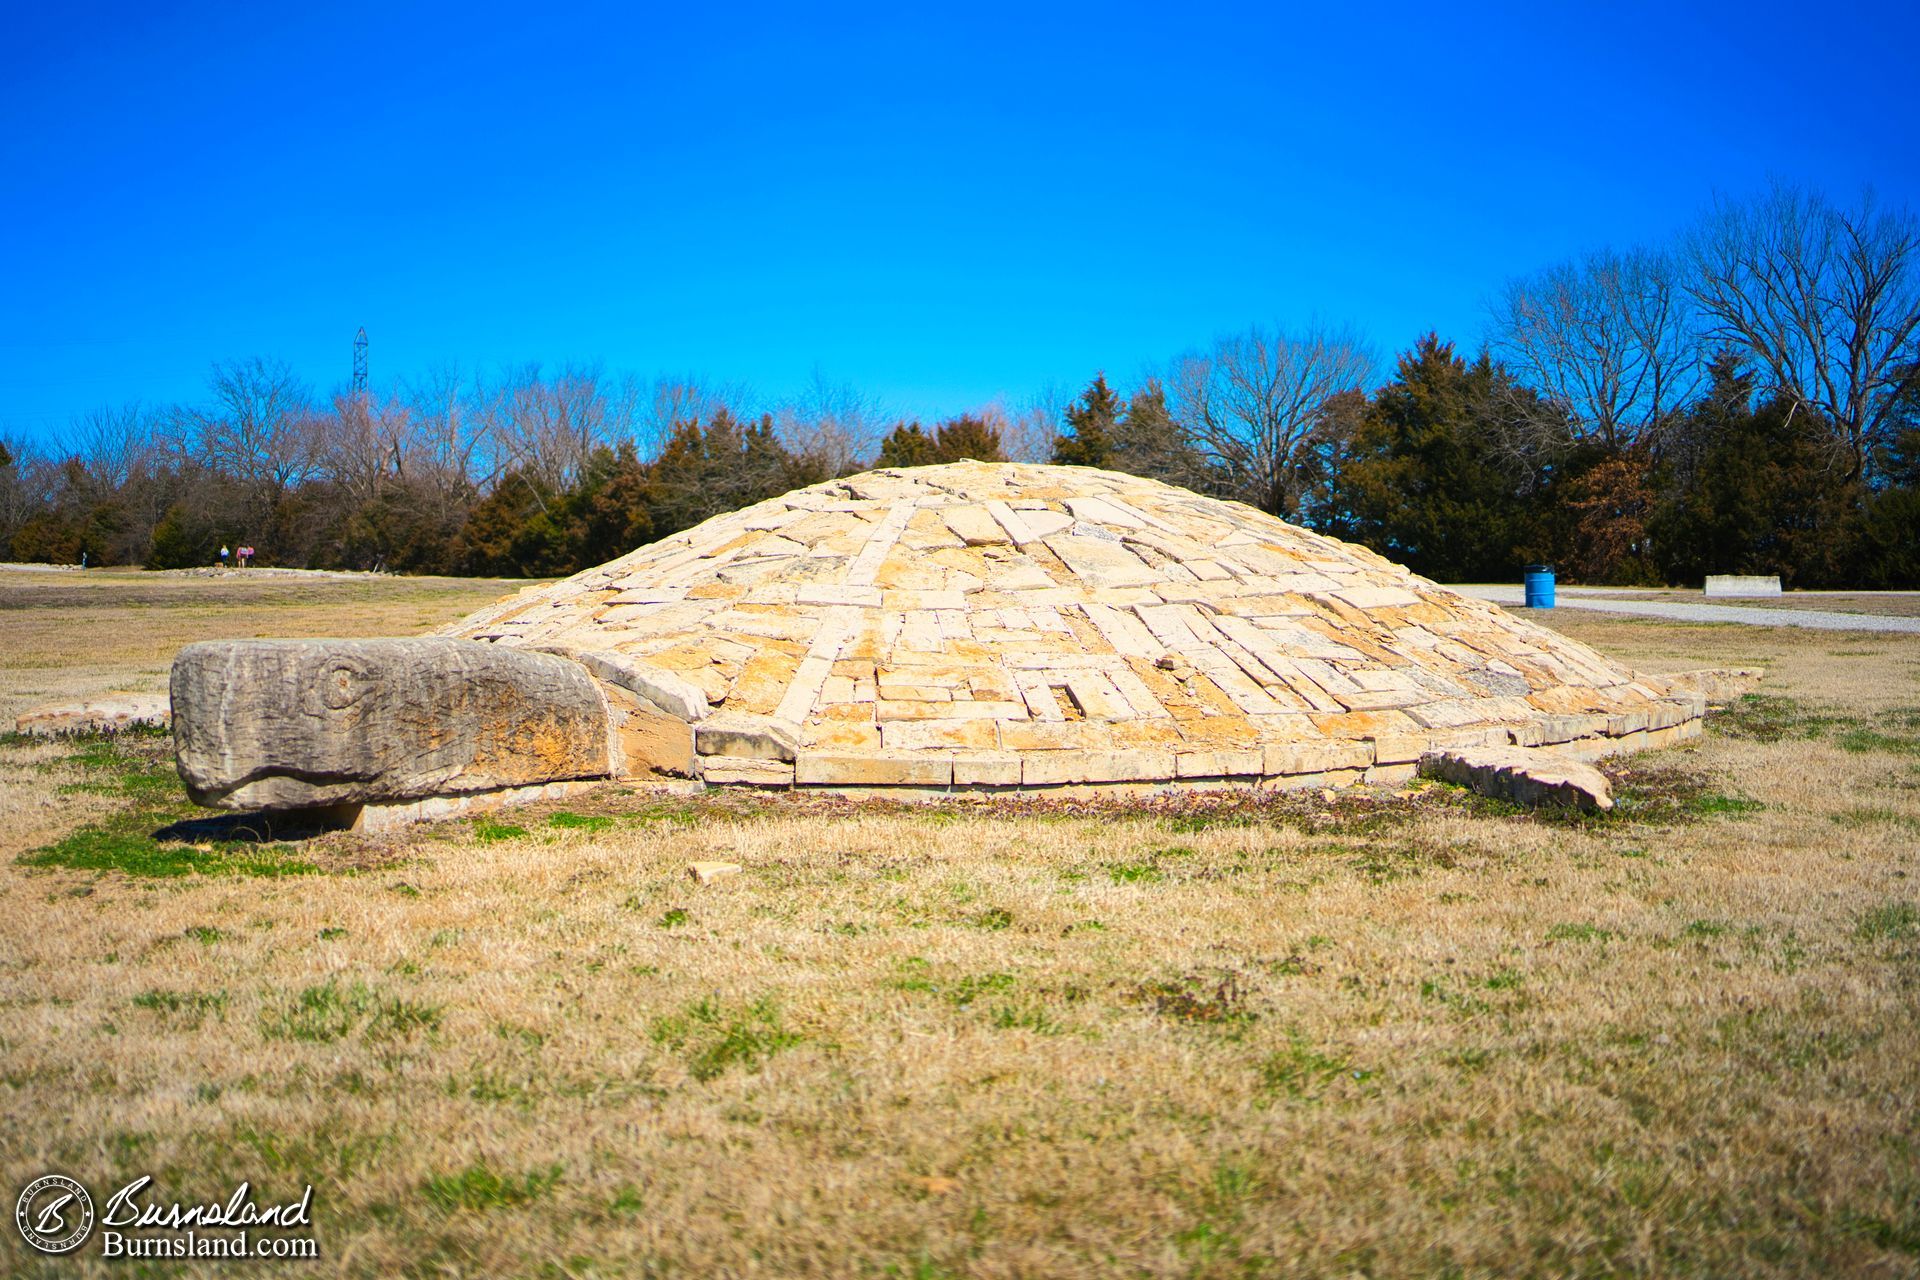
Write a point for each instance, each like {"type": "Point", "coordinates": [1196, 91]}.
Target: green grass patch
{"type": "Point", "coordinates": [1578, 932]}
{"type": "Point", "coordinates": [487, 831]}
{"type": "Point", "coordinates": [1873, 741]}
{"type": "Point", "coordinates": [1770, 717]}
{"type": "Point", "coordinates": [479, 1187]}
{"type": "Point", "coordinates": [1023, 1017]}
{"type": "Point", "coordinates": [127, 846]}
{"type": "Point", "coordinates": [134, 840]}
{"type": "Point", "coordinates": [579, 821]}
{"type": "Point", "coordinates": [330, 1012]}
{"type": "Point", "coordinates": [1888, 922]}
{"type": "Point", "coordinates": [1300, 1071]}
{"type": "Point", "coordinates": [187, 1007]}
{"type": "Point", "coordinates": [1875, 817]}
{"type": "Point", "coordinates": [715, 1039]}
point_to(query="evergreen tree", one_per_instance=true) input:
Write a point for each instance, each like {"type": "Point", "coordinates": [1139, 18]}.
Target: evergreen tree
{"type": "Point", "coordinates": [967, 437]}
{"type": "Point", "coordinates": [1091, 421]}
{"type": "Point", "coordinates": [1148, 441]}
{"type": "Point", "coordinates": [955, 440]}
{"type": "Point", "coordinates": [1748, 488]}
{"type": "Point", "coordinates": [1432, 481]}
{"type": "Point", "coordinates": [907, 445]}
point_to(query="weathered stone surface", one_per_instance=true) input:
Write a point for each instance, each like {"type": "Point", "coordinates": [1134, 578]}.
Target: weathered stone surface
{"type": "Point", "coordinates": [732, 733]}
{"type": "Point", "coordinates": [986, 769]}
{"type": "Point", "coordinates": [1521, 775]}
{"type": "Point", "coordinates": [722, 770]}
{"type": "Point", "coordinates": [708, 872]}
{"type": "Point", "coordinates": [877, 769]}
{"type": "Point", "coordinates": [1283, 758]}
{"type": "Point", "coordinates": [107, 713]}
{"type": "Point", "coordinates": [673, 694]}
{"type": "Point", "coordinates": [302, 723]}
{"type": "Point", "coordinates": [646, 740]}
{"type": "Point", "coordinates": [1718, 685]}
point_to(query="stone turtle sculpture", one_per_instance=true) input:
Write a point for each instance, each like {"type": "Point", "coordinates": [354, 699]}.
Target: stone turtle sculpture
{"type": "Point", "coordinates": [972, 626]}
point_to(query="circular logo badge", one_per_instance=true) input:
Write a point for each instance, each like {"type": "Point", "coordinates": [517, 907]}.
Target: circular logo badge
{"type": "Point", "coordinates": [54, 1214]}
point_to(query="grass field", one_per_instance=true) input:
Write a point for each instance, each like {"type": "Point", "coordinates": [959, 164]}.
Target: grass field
{"type": "Point", "coordinates": [1418, 1035]}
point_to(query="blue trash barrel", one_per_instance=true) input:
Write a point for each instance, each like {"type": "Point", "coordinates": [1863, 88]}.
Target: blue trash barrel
{"type": "Point", "coordinates": [1539, 582]}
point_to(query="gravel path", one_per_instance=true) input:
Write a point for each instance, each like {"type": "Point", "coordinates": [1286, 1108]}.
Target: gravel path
{"type": "Point", "coordinates": [1818, 619]}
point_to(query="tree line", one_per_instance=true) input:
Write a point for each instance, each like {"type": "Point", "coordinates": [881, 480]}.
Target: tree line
{"type": "Point", "coordinates": [1742, 399]}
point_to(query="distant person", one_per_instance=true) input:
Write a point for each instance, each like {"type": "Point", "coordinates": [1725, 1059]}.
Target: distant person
{"type": "Point", "coordinates": [223, 555]}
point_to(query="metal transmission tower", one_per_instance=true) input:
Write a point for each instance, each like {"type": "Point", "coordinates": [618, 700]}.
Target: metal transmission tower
{"type": "Point", "coordinates": [360, 364]}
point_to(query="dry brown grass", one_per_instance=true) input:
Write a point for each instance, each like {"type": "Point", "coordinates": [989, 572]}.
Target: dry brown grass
{"type": "Point", "coordinates": [1390, 1037]}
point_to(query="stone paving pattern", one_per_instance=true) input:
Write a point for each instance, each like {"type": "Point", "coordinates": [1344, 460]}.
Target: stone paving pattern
{"type": "Point", "coordinates": [982, 625]}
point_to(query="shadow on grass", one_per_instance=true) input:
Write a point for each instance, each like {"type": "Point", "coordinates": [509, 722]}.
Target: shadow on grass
{"type": "Point", "coordinates": [153, 831]}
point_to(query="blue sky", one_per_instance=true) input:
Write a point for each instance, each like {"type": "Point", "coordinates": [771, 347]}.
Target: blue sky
{"type": "Point", "coordinates": [938, 205]}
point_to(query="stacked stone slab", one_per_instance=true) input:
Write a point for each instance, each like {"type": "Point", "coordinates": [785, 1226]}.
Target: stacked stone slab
{"type": "Point", "coordinates": [982, 626]}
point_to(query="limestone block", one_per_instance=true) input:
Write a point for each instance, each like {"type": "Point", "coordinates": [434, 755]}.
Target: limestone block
{"type": "Point", "coordinates": [734, 733]}
{"type": "Point", "coordinates": [1032, 736]}
{"type": "Point", "coordinates": [1524, 776]}
{"type": "Point", "coordinates": [1053, 768]}
{"type": "Point", "coordinates": [1719, 685]}
{"type": "Point", "coordinates": [1398, 748]}
{"type": "Point", "coordinates": [739, 771]}
{"type": "Point", "coordinates": [1624, 723]}
{"type": "Point", "coordinates": [923, 735]}
{"type": "Point", "coordinates": [1316, 757]}
{"type": "Point", "coordinates": [964, 709]}
{"type": "Point", "coordinates": [891, 769]}
{"type": "Point", "coordinates": [645, 739]}
{"type": "Point", "coordinates": [1555, 729]}
{"type": "Point", "coordinates": [108, 713]}
{"type": "Point", "coordinates": [672, 693]}
{"type": "Point", "coordinates": [975, 526]}
{"type": "Point", "coordinates": [1221, 763]}
{"type": "Point", "coordinates": [305, 723]}
{"type": "Point", "coordinates": [844, 735]}
{"type": "Point", "coordinates": [1377, 597]}
{"type": "Point", "coordinates": [708, 872]}
{"type": "Point", "coordinates": [986, 769]}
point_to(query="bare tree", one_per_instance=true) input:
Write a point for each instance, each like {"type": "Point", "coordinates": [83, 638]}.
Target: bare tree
{"type": "Point", "coordinates": [116, 444]}
{"type": "Point", "coordinates": [681, 399]}
{"type": "Point", "coordinates": [835, 423]}
{"type": "Point", "coordinates": [1607, 338]}
{"type": "Point", "coordinates": [450, 441]}
{"type": "Point", "coordinates": [546, 427]}
{"type": "Point", "coordinates": [1254, 405]}
{"type": "Point", "coordinates": [1028, 432]}
{"type": "Point", "coordinates": [1825, 299]}
{"type": "Point", "coordinates": [259, 427]}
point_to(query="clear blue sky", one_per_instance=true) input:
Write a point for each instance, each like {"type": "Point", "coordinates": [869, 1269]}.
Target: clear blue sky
{"type": "Point", "coordinates": [939, 204]}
